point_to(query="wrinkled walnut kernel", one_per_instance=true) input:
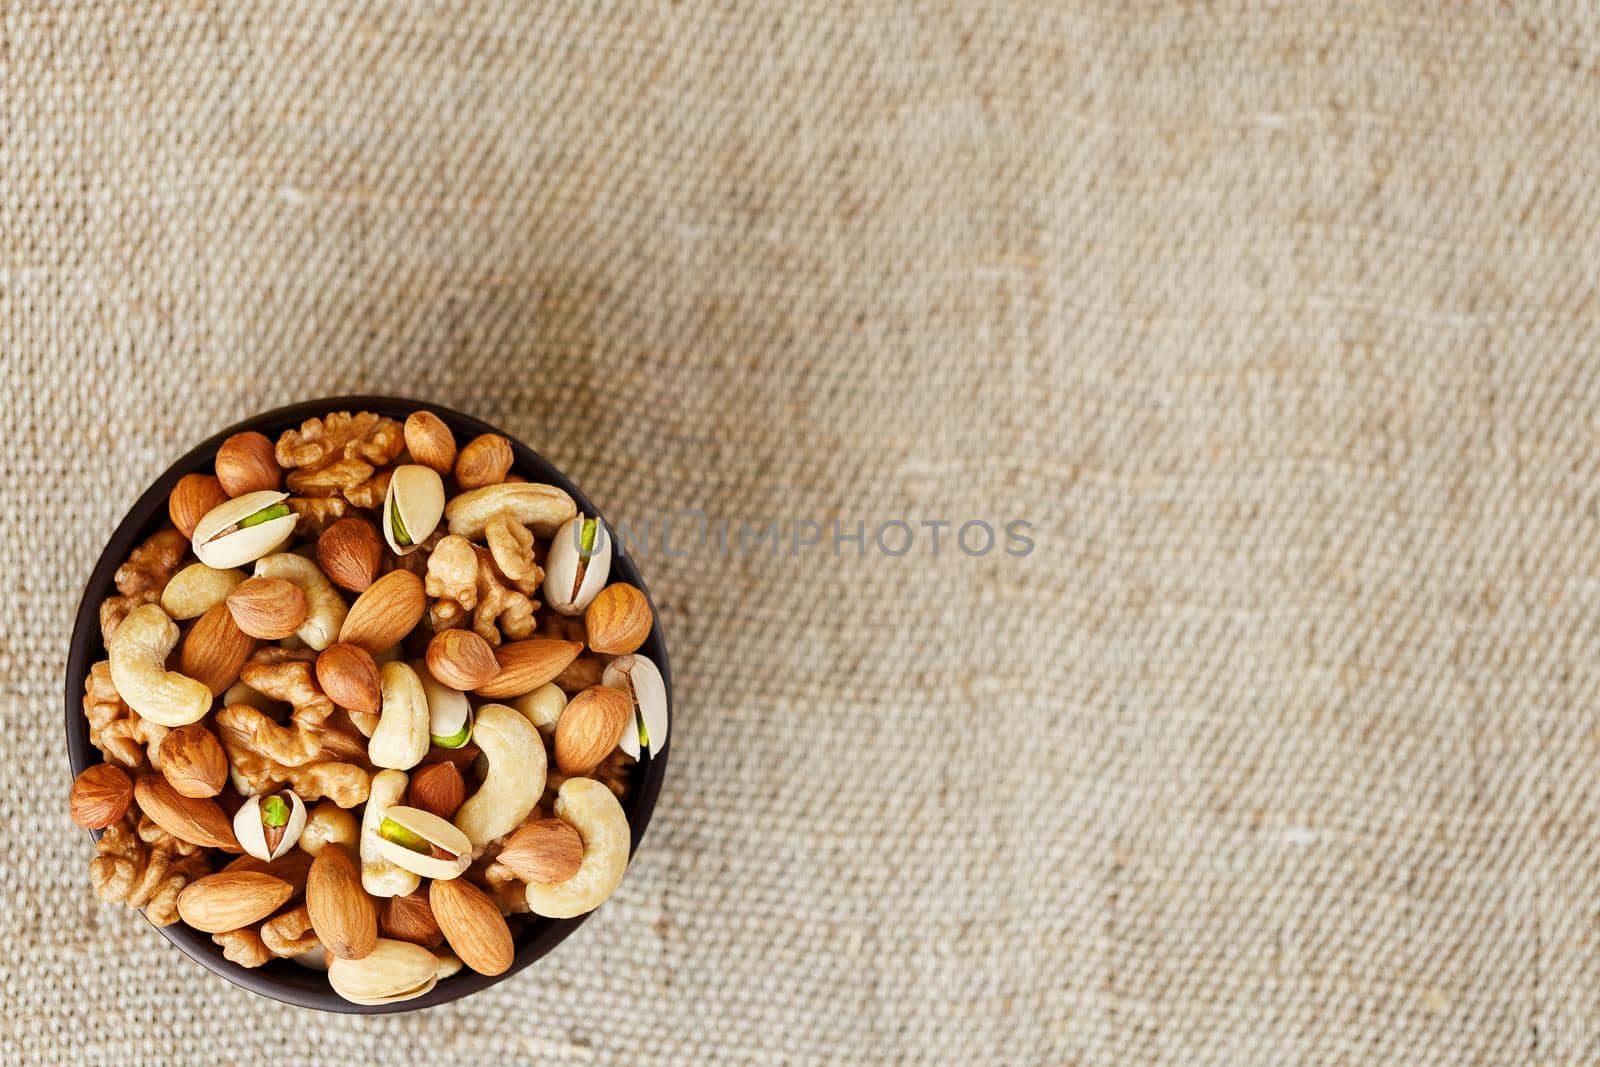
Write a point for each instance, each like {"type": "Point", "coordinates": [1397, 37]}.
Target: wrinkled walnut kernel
{"type": "Point", "coordinates": [120, 733]}
{"type": "Point", "coordinates": [462, 580]}
{"type": "Point", "coordinates": [243, 947]}
{"type": "Point", "coordinates": [143, 876]}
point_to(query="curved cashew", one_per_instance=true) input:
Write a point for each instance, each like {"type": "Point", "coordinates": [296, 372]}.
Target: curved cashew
{"type": "Point", "coordinates": [401, 739]}
{"type": "Point", "coordinates": [197, 589]}
{"type": "Point", "coordinates": [379, 877]}
{"type": "Point", "coordinates": [329, 824]}
{"type": "Point", "coordinates": [515, 779]}
{"type": "Point", "coordinates": [325, 608]}
{"type": "Point", "coordinates": [139, 652]}
{"type": "Point", "coordinates": [541, 508]}
{"type": "Point", "coordinates": [597, 816]}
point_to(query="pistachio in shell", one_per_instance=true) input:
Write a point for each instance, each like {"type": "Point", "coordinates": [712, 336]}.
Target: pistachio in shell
{"type": "Point", "coordinates": [422, 843]}
{"type": "Point", "coordinates": [392, 971]}
{"type": "Point", "coordinates": [412, 507]}
{"type": "Point", "coordinates": [244, 529]}
{"type": "Point", "coordinates": [639, 677]}
{"type": "Point", "coordinates": [269, 826]}
{"type": "Point", "coordinates": [578, 564]}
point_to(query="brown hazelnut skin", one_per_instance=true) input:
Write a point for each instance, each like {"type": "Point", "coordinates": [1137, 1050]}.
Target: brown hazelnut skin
{"type": "Point", "coordinates": [430, 441]}
{"type": "Point", "coordinates": [350, 553]}
{"type": "Point", "coordinates": [246, 463]}
{"type": "Point", "coordinates": [486, 460]}
{"type": "Point", "coordinates": [100, 796]}
{"type": "Point", "coordinates": [192, 497]}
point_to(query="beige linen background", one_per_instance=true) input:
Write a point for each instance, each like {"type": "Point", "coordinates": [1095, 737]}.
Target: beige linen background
{"type": "Point", "coordinates": [1278, 322]}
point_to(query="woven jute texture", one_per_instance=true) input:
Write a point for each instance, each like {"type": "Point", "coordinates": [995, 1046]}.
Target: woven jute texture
{"type": "Point", "coordinates": [1276, 322]}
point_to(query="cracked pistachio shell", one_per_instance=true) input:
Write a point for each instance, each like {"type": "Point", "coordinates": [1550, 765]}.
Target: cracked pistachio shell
{"type": "Point", "coordinates": [223, 550]}
{"type": "Point", "coordinates": [639, 677]}
{"type": "Point", "coordinates": [417, 493]}
{"type": "Point", "coordinates": [253, 837]}
{"type": "Point", "coordinates": [392, 971]}
{"type": "Point", "coordinates": [564, 590]}
{"type": "Point", "coordinates": [435, 831]}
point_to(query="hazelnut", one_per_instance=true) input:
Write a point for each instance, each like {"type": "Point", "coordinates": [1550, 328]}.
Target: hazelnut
{"type": "Point", "coordinates": [437, 788]}
{"type": "Point", "coordinates": [100, 796]}
{"type": "Point", "coordinates": [350, 554]}
{"type": "Point", "coordinates": [430, 441]}
{"type": "Point", "coordinates": [409, 918]}
{"type": "Point", "coordinates": [192, 497]}
{"type": "Point", "coordinates": [484, 461]}
{"type": "Point", "coordinates": [246, 464]}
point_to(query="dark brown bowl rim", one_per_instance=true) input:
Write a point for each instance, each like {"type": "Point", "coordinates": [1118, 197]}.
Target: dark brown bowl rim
{"type": "Point", "coordinates": [284, 980]}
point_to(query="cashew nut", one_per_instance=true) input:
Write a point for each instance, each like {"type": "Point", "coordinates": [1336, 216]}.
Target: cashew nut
{"type": "Point", "coordinates": [514, 781]}
{"type": "Point", "coordinates": [325, 608]}
{"type": "Point", "coordinates": [139, 652]}
{"type": "Point", "coordinates": [541, 508]}
{"type": "Point", "coordinates": [599, 819]}
{"type": "Point", "coordinates": [542, 707]}
{"type": "Point", "coordinates": [197, 589]}
{"type": "Point", "coordinates": [329, 824]}
{"type": "Point", "coordinates": [379, 877]}
{"type": "Point", "coordinates": [401, 739]}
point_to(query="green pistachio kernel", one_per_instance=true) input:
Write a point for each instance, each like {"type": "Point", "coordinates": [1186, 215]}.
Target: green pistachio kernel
{"type": "Point", "coordinates": [274, 812]}
{"type": "Point", "coordinates": [401, 537]}
{"type": "Point", "coordinates": [276, 511]}
{"type": "Point", "coordinates": [390, 830]}
{"type": "Point", "coordinates": [455, 740]}
{"type": "Point", "coordinates": [591, 529]}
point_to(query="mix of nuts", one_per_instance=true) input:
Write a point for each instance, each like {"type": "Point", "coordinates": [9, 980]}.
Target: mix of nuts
{"type": "Point", "coordinates": [425, 669]}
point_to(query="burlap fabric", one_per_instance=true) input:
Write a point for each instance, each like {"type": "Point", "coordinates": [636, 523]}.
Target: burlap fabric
{"type": "Point", "coordinates": [1276, 323]}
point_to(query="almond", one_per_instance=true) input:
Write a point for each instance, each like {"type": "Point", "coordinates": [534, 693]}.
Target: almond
{"type": "Point", "coordinates": [409, 918]}
{"type": "Point", "coordinates": [526, 665]}
{"type": "Point", "coordinates": [192, 497]}
{"type": "Point", "coordinates": [618, 620]}
{"type": "Point", "coordinates": [386, 612]}
{"type": "Point", "coordinates": [472, 924]}
{"type": "Point", "coordinates": [543, 852]}
{"type": "Point", "coordinates": [100, 796]}
{"type": "Point", "coordinates": [590, 727]}
{"type": "Point", "coordinates": [192, 761]}
{"type": "Point", "coordinates": [349, 676]}
{"type": "Point", "coordinates": [437, 788]}
{"type": "Point", "coordinates": [484, 461]}
{"type": "Point", "coordinates": [430, 441]}
{"type": "Point", "coordinates": [350, 553]}
{"type": "Point", "coordinates": [229, 900]}
{"type": "Point", "coordinates": [197, 821]}
{"type": "Point", "coordinates": [344, 917]}
{"type": "Point", "coordinates": [246, 464]}
{"type": "Point", "coordinates": [268, 608]}
{"type": "Point", "coordinates": [461, 659]}
{"type": "Point", "coordinates": [214, 650]}
{"type": "Point", "coordinates": [293, 867]}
